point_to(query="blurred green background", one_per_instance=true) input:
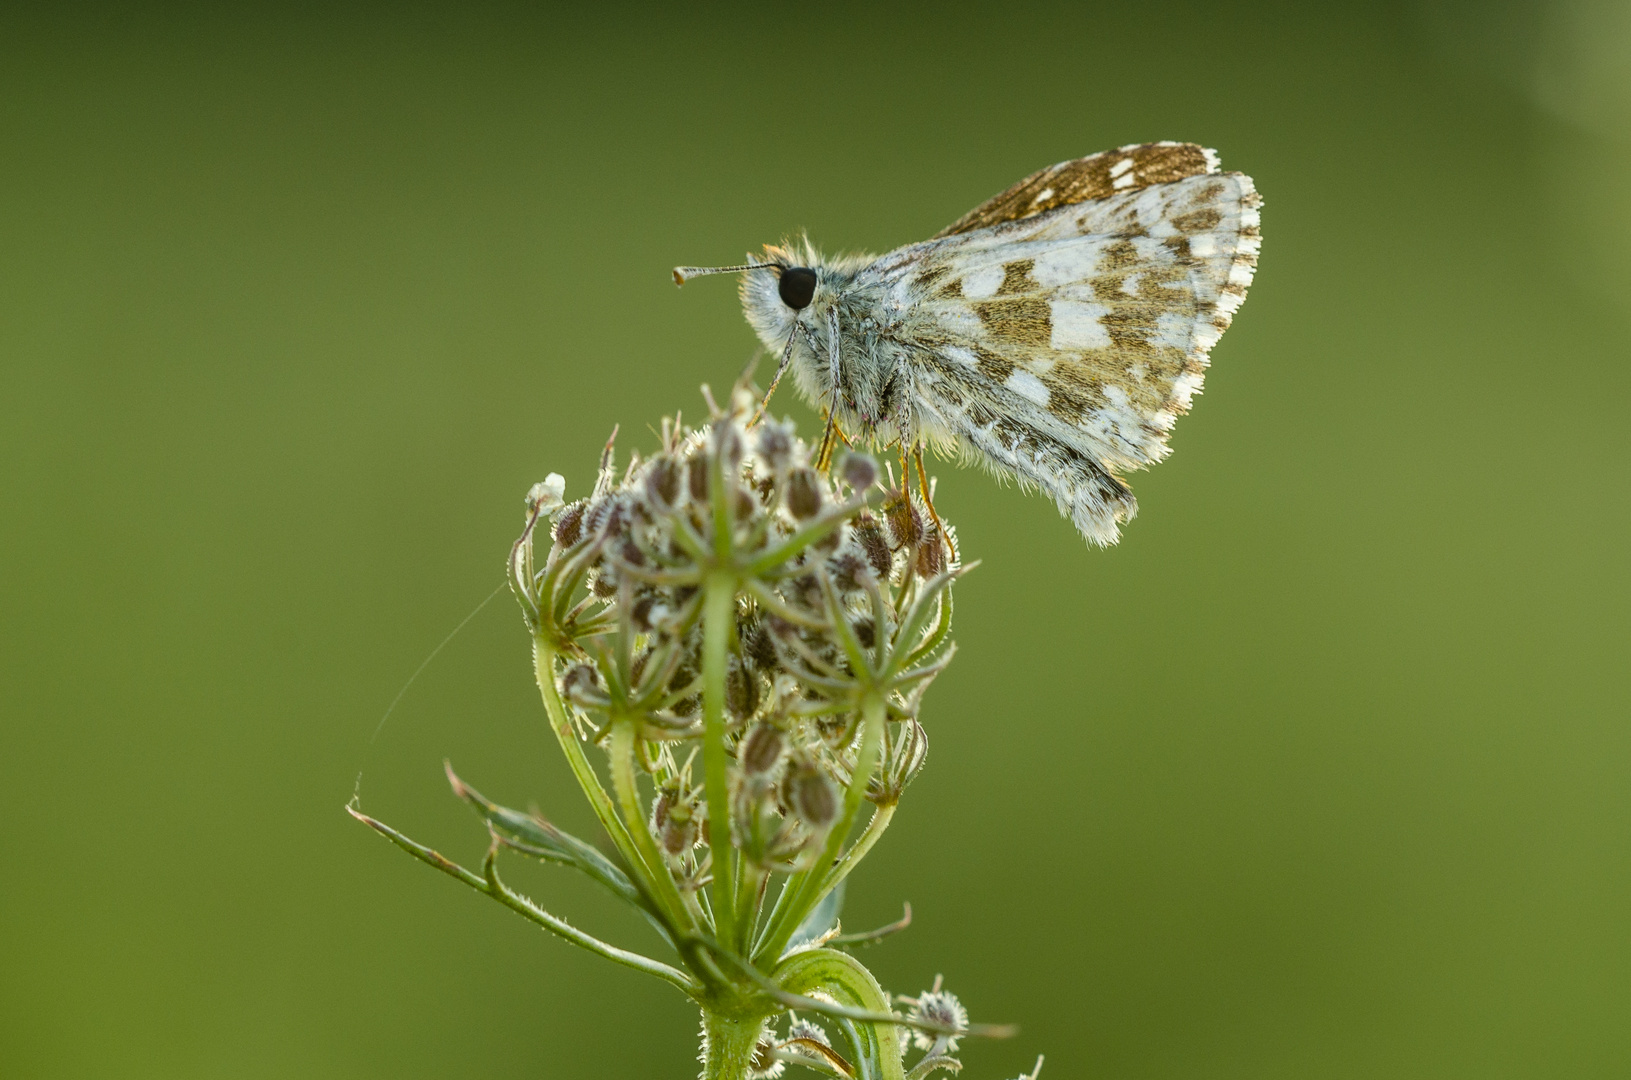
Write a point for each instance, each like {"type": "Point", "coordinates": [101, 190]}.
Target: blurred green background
{"type": "Point", "coordinates": [1324, 772]}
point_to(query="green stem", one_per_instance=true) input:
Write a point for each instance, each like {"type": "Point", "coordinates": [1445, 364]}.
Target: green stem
{"type": "Point", "coordinates": [748, 899]}
{"type": "Point", "coordinates": [543, 656]}
{"type": "Point", "coordinates": [773, 921]}
{"type": "Point", "coordinates": [857, 852]}
{"type": "Point", "coordinates": [716, 625]}
{"type": "Point", "coordinates": [802, 539]}
{"type": "Point", "coordinates": [634, 818]}
{"type": "Point", "coordinates": [731, 1041]}
{"type": "Point", "coordinates": [809, 886]}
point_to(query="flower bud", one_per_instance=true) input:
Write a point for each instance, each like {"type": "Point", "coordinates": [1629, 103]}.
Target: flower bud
{"type": "Point", "coordinates": [581, 684]}
{"type": "Point", "coordinates": [696, 471]}
{"type": "Point", "coordinates": [831, 541]}
{"type": "Point", "coordinates": [901, 765]}
{"type": "Point", "coordinates": [728, 441]}
{"type": "Point", "coordinates": [865, 632]}
{"type": "Point", "coordinates": [741, 691]}
{"type": "Point", "coordinates": [931, 554]}
{"type": "Point", "coordinates": [775, 446]}
{"type": "Point", "coordinates": [545, 497]}
{"type": "Point", "coordinates": [837, 731]}
{"type": "Point", "coordinates": [804, 494]}
{"type": "Point", "coordinates": [811, 795]}
{"type": "Point", "coordinates": [663, 482]}
{"type": "Point", "coordinates": [760, 648]}
{"type": "Point", "coordinates": [858, 470]}
{"type": "Point", "coordinates": [569, 524]}
{"type": "Point", "coordinates": [760, 750]}
{"type": "Point", "coordinates": [869, 534]}
{"type": "Point", "coordinates": [679, 828]}
{"type": "Point", "coordinates": [642, 611]}
{"type": "Point", "coordinates": [808, 1031]}
{"type": "Point", "coordinates": [661, 806]}
{"type": "Point", "coordinates": [807, 589]}
{"type": "Point", "coordinates": [904, 519]}
{"type": "Point", "coordinates": [685, 672]}
{"type": "Point", "coordinates": [604, 515]}
{"type": "Point", "coordinates": [848, 572]}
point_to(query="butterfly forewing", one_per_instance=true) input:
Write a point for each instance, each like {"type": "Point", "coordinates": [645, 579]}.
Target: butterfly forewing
{"type": "Point", "coordinates": [1099, 176]}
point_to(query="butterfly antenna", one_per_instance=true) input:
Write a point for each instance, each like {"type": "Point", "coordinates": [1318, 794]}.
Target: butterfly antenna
{"type": "Point", "coordinates": [682, 274]}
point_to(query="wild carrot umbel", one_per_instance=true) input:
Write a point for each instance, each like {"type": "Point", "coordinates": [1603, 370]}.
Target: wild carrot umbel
{"type": "Point", "coordinates": [733, 649]}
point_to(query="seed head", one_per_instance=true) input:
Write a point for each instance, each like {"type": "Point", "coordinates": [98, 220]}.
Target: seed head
{"type": "Point", "coordinates": [765, 1064]}
{"type": "Point", "coordinates": [938, 1007]}
{"type": "Point", "coordinates": [679, 829]}
{"type": "Point", "coordinates": [820, 564]}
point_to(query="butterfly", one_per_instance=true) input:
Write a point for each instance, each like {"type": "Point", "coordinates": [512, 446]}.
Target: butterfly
{"type": "Point", "coordinates": [1053, 334]}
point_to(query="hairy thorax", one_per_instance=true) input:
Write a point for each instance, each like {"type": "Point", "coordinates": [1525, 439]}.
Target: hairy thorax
{"type": "Point", "coordinates": [852, 352]}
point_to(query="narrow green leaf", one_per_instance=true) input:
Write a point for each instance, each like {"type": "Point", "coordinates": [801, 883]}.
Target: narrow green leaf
{"type": "Point", "coordinates": [542, 840]}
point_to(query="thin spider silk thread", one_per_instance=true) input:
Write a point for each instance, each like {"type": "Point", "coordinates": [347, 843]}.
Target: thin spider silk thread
{"type": "Point", "coordinates": [356, 790]}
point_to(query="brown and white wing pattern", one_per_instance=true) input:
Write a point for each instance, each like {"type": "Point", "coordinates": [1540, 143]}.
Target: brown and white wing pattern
{"type": "Point", "coordinates": [1061, 346]}
{"type": "Point", "coordinates": [1099, 176]}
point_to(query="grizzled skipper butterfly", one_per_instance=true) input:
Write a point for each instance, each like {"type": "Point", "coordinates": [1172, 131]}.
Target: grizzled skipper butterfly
{"type": "Point", "coordinates": [1054, 333]}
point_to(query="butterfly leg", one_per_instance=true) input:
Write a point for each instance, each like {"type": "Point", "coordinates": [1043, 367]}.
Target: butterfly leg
{"type": "Point", "coordinates": [928, 499]}
{"type": "Point", "coordinates": [826, 441]}
{"type": "Point", "coordinates": [830, 438]}
{"type": "Point", "coordinates": [781, 369]}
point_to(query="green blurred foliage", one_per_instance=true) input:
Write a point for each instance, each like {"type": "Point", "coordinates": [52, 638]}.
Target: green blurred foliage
{"type": "Point", "coordinates": [1322, 773]}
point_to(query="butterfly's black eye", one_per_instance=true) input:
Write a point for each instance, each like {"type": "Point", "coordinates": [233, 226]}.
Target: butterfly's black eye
{"type": "Point", "coordinates": [797, 287]}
